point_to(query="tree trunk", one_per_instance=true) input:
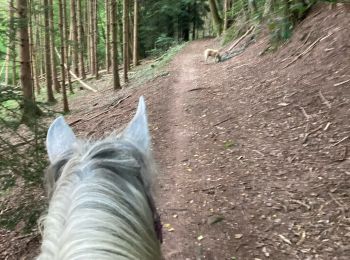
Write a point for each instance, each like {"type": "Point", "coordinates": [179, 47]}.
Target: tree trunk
{"type": "Point", "coordinates": [74, 27]}
{"type": "Point", "coordinates": [11, 48]}
{"type": "Point", "coordinates": [50, 97]}
{"type": "Point", "coordinates": [55, 82]}
{"type": "Point", "coordinates": [81, 40]}
{"type": "Point", "coordinates": [29, 107]}
{"type": "Point", "coordinates": [88, 35]}
{"type": "Point", "coordinates": [36, 83]}
{"type": "Point", "coordinates": [226, 8]}
{"type": "Point", "coordinates": [114, 43]}
{"type": "Point", "coordinates": [38, 55]}
{"type": "Point", "coordinates": [136, 36]}
{"type": "Point", "coordinates": [125, 39]}
{"type": "Point", "coordinates": [215, 15]}
{"type": "Point", "coordinates": [66, 35]}
{"type": "Point", "coordinates": [95, 38]}
{"type": "Point", "coordinates": [252, 7]}
{"type": "Point", "coordinates": [62, 41]}
{"type": "Point", "coordinates": [268, 7]}
{"type": "Point", "coordinates": [108, 32]}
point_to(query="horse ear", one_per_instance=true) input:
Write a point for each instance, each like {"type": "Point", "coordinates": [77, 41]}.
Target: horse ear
{"type": "Point", "coordinates": [137, 130]}
{"type": "Point", "coordinates": [59, 139]}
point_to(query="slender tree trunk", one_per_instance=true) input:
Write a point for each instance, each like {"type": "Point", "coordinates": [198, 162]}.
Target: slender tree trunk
{"type": "Point", "coordinates": [92, 37]}
{"type": "Point", "coordinates": [108, 32]}
{"type": "Point", "coordinates": [66, 35]}
{"type": "Point", "coordinates": [74, 36]}
{"type": "Point", "coordinates": [55, 82]}
{"type": "Point", "coordinates": [81, 40]}
{"type": "Point", "coordinates": [114, 43]}
{"type": "Point", "coordinates": [36, 83]}
{"type": "Point", "coordinates": [50, 97]}
{"type": "Point", "coordinates": [136, 40]}
{"type": "Point", "coordinates": [125, 39]}
{"type": "Point", "coordinates": [252, 7]}
{"type": "Point", "coordinates": [38, 55]}
{"type": "Point", "coordinates": [215, 15]}
{"type": "Point", "coordinates": [226, 8]}
{"type": "Point", "coordinates": [11, 43]}
{"type": "Point", "coordinates": [29, 107]}
{"type": "Point", "coordinates": [130, 37]}
{"type": "Point", "coordinates": [95, 38]}
{"type": "Point", "coordinates": [62, 42]}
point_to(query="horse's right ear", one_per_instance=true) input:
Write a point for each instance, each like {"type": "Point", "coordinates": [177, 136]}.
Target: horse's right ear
{"type": "Point", "coordinates": [60, 138]}
{"type": "Point", "coordinates": [137, 131]}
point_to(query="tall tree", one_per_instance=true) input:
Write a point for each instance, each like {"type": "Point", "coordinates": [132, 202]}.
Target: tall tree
{"type": "Point", "coordinates": [33, 49]}
{"type": "Point", "coordinates": [114, 33]}
{"type": "Point", "coordinates": [125, 39]}
{"type": "Point", "coordinates": [66, 37]}
{"type": "Point", "coordinates": [215, 15]}
{"type": "Point", "coordinates": [226, 8]}
{"type": "Point", "coordinates": [50, 96]}
{"type": "Point", "coordinates": [11, 48]}
{"type": "Point", "coordinates": [136, 36]}
{"type": "Point", "coordinates": [95, 40]}
{"type": "Point", "coordinates": [108, 32]}
{"type": "Point", "coordinates": [74, 27]}
{"type": "Point", "coordinates": [29, 107]}
{"type": "Point", "coordinates": [62, 43]}
{"type": "Point", "coordinates": [55, 82]}
{"type": "Point", "coordinates": [81, 40]}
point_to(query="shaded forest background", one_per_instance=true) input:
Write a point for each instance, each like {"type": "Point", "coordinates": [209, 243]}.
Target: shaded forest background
{"type": "Point", "coordinates": [49, 50]}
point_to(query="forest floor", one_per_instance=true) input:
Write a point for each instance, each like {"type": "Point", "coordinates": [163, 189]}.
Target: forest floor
{"type": "Point", "coordinates": [253, 152]}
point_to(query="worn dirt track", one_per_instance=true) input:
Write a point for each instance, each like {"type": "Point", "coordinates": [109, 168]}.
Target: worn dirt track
{"type": "Point", "coordinates": [253, 158]}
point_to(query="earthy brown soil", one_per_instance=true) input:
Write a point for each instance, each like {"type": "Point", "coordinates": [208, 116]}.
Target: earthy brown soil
{"type": "Point", "coordinates": [253, 157]}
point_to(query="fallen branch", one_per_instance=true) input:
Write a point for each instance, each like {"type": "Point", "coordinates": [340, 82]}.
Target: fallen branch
{"type": "Point", "coordinates": [285, 239]}
{"type": "Point", "coordinates": [103, 112]}
{"type": "Point", "coordinates": [343, 208]}
{"type": "Point", "coordinates": [75, 122]}
{"type": "Point", "coordinates": [342, 140]}
{"type": "Point", "coordinates": [301, 203]}
{"type": "Point", "coordinates": [304, 113]}
{"type": "Point", "coordinates": [118, 102]}
{"type": "Point", "coordinates": [241, 38]}
{"type": "Point", "coordinates": [308, 49]}
{"type": "Point", "coordinates": [310, 133]}
{"type": "Point", "coordinates": [75, 76]}
{"type": "Point", "coordinates": [194, 89]}
{"type": "Point", "coordinates": [341, 83]}
{"type": "Point", "coordinates": [223, 121]}
{"type": "Point", "coordinates": [324, 100]}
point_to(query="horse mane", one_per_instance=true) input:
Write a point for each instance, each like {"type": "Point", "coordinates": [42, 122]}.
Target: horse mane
{"type": "Point", "coordinates": [101, 206]}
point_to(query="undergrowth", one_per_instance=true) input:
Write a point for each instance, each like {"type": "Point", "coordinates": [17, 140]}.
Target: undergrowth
{"type": "Point", "coordinates": [154, 68]}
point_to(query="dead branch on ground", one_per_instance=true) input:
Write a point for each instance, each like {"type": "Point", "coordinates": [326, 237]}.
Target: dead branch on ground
{"type": "Point", "coordinates": [308, 49]}
{"type": "Point", "coordinates": [324, 100]}
{"type": "Point", "coordinates": [75, 76]}
{"type": "Point", "coordinates": [241, 38]}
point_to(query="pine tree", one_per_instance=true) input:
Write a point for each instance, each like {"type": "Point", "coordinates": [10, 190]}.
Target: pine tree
{"type": "Point", "coordinates": [114, 33]}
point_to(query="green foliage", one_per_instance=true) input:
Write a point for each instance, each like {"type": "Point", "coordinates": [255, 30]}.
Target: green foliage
{"type": "Point", "coordinates": [154, 69]}
{"type": "Point", "coordinates": [164, 21]}
{"type": "Point", "coordinates": [27, 211]}
{"type": "Point", "coordinates": [279, 16]}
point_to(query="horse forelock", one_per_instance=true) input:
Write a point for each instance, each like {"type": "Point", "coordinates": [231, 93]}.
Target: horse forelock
{"type": "Point", "coordinates": [102, 189]}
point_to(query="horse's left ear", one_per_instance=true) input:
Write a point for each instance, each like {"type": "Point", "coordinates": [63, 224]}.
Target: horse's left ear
{"type": "Point", "coordinates": [137, 130]}
{"type": "Point", "coordinates": [60, 138]}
